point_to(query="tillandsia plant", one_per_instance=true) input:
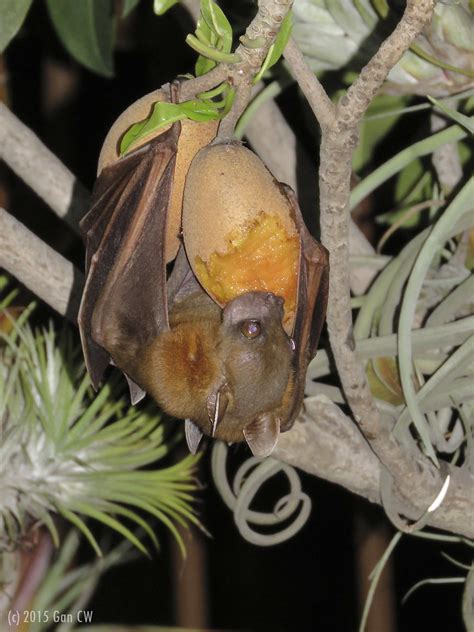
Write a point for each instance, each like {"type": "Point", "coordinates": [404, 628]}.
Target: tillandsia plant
{"type": "Point", "coordinates": [66, 453]}
{"type": "Point", "coordinates": [335, 34]}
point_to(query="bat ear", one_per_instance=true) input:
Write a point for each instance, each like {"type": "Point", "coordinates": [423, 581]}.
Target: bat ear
{"type": "Point", "coordinates": [136, 392]}
{"type": "Point", "coordinates": [217, 403]}
{"type": "Point", "coordinates": [193, 435]}
{"type": "Point", "coordinates": [262, 434]}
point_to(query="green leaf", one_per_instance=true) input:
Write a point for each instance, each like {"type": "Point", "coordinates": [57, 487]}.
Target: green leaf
{"type": "Point", "coordinates": [407, 180]}
{"type": "Point", "coordinates": [457, 117]}
{"type": "Point", "coordinates": [211, 52]}
{"type": "Point", "coordinates": [217, 22]}
{"type": "Point", "coordinates": [403, 158]}
{"type": "Point", "coordinates": [204, 65]}
{"type": "Point", "coordinates": [81, 525]}
{"type": "Point", "coordinates": [166, 113]}
{"type": "Point", "coordinates": [438, 62]}
{"type": "Point", "coordinates": [161, 6]}
{"type": "Point", "coordinates": [86, 29]}
{"type": "Point", "coordinates": [204, 33]}
{"type": "Point", "coordinates": [460, 206]}
{"type": "Point", "coordinates": [212, 39]}
{"type": "Point", "coordinates": [163, 114]}
{"type": "Point", "coordinates": [373, 130]}
{"type": "Point", "coordinates": [381, 7]}
{"type": "Point", "coordinates": [13, 14]}
{"type": "Point", "coordinates": [199, 110]}
{"type": "Point", "coordinates": [129, 5]}
{"type": "Point", "coordinates": [277, 48]}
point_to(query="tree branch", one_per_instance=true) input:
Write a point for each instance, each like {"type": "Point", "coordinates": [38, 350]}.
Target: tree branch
{"type": "Point", "coordinates": [337, 145]}
{"type": "Point", "coordinates": [314, 92]}
{"type": "Point", "coordinates": [415, 477]}
{"type": "Point", "coordinates": [255, 44]}
{"type": "Point", "coordinates": [324, 442]}
{"type": "Point", "coordinates": [41, 269]}
{"type": "Point", "coordinates": [36, 165]}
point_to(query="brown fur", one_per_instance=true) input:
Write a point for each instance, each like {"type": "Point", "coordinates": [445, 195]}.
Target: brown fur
{"type": "Point", "coordinates": [180, 368]}
{"type": "Point", "coordinates": [204, 353]}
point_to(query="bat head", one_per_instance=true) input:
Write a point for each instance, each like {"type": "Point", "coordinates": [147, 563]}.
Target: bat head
{"type": "Point", "coordinates": [256, 353]}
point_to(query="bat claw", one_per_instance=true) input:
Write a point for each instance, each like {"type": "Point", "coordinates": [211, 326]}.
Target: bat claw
{"type": "Point", "coordinates": [193, 435]}
{"type": "Point", "coordinates": [136, 392]}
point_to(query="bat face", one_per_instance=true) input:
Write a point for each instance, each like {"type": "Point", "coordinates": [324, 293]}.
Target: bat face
{"type": "Point", "coordinates": [256, 353]}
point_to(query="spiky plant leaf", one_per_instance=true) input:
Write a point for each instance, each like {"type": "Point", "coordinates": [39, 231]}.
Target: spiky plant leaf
{"type": "Point", "coordinates": [67, 451]}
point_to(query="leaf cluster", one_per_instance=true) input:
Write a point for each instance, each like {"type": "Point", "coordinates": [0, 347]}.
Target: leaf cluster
{"type": "Point", "coordinates": [67, 451]}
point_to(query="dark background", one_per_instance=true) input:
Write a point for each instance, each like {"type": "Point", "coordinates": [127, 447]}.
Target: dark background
{"type": "Point", "coordinates": [310, 582]}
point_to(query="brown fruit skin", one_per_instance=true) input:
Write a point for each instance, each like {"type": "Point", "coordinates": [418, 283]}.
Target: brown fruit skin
{"type": "Point", "coordinates": [193, 137]}
{"type": "Point", "coordinates": [228, 187]}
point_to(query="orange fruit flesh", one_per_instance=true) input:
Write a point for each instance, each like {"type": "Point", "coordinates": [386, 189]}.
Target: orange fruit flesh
{"type": "Point", "coordinates": [261, 256]}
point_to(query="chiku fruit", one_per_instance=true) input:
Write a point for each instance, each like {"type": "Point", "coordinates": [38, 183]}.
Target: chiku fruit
{"type": "Point", "coordinates": [193, 137]}
{"type": "Point", "coordinates": [238, 227]}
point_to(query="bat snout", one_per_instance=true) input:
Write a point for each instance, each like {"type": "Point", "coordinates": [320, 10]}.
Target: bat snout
{"type": "Point", "coordinates": [273, 299]}
{"type": "Point", "coordinates": [253, 306]}
{"type": "Point", "coordinates": [275, 302]}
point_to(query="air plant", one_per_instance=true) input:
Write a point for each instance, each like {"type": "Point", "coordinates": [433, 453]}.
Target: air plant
{"type": "Point", "coordinates": [68, 452]}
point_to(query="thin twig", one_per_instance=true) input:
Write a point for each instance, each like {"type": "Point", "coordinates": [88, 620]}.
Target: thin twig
{"type": "Point", "coordinates": [252, 50]}
{"type": "Point", "coordinates": [193, 87]}
{"type": "Point", "coordinates": [352, 107]}
{"type": "Point", "coordinates": [243, 93]}
{"type": "Point", "coordinates": [333, 449]}
{"type": "Point", "coordinates": [320, 103]}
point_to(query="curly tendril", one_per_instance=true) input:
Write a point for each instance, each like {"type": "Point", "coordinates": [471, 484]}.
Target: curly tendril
{"type": "Point", "coordinates": [248, 480]}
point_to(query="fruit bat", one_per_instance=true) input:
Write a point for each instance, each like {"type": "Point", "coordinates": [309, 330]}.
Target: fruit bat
{"type": "Point", "coordinates": [232, 372]}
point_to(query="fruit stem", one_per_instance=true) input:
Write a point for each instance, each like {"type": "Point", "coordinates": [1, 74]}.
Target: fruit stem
{"type": "Point", "coordinates": [254, 45]}
{"type": "Point", "coordinates": [242, 97]}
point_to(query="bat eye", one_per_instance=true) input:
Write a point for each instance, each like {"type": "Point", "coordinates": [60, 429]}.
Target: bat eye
{"type": "Point", "coordinates": [250, 329]}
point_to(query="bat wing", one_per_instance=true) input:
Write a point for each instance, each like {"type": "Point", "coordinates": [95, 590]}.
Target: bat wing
{"type": "Point", "coordinates": [313, 284]}
{"type": "Point", "coordinates": [182, 282]}
{"type": "Point", "coordinates": [124, 303]}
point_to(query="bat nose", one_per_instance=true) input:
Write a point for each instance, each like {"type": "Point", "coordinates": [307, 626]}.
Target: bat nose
{"type": "Point", "coordinates": [275, 300]}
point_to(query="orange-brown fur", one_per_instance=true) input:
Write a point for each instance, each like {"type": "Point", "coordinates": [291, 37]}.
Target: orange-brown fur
{"type": "Point", "coordinates": [180, 369]}
{"type": "Point", "coordinates": [205, 353]}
